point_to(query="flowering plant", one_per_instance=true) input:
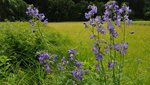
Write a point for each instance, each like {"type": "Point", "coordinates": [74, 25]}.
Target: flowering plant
{"type": "Point", "coordinates": [113, 15]}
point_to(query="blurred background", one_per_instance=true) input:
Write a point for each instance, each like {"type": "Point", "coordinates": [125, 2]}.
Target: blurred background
{"type": "Point", "coordinates": [67, 10]}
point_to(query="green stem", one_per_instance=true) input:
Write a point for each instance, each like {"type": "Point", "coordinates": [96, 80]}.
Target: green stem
{"type": "Point", "coordinates": [122, 59]}
{"type": "Point", "coordinates": [114, 77]}
{"type": "Point", "coordinates": [120, 67]}
{"type": "Point", "coordinates": [103, 70]}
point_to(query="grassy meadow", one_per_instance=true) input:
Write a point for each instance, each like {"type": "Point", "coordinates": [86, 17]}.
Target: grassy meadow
{"type": "Point", "coordinates": [65, 35]}
{"type": "Point", "coordinates": [137, 65]}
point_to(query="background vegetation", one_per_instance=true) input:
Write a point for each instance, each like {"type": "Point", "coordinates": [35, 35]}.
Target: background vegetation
{"type": "Point", "coordinates": [67, 10]}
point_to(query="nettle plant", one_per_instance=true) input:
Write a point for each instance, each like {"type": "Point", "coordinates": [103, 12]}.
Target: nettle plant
{"type": "Point", "coordinates": [109, 68]}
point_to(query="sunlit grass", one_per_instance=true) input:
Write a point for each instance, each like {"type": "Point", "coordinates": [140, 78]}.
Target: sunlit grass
{"type": "Point", "coordinates": [137, 65]}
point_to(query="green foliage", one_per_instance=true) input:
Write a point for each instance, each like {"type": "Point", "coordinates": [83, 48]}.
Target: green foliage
{"type": "Point", "coordinates": [19, 43]}
{"type": "Point", "coordinates": [147, 15]}
{"type": "Point", "coordinates": [53, 8]}
{"type": "Point", "coordinates": [4, 66]}
{"type": "Point", "coordinates": [12, 10]}
{"type": "Point", "coordinates": [147, 10]}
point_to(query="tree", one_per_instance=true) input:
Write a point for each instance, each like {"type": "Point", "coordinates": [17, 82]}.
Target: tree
{"type": "Point", "coordinates": [12, 10]}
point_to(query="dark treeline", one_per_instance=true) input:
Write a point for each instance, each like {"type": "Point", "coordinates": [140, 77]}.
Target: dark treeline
{"type": "Point", "coordinates": [67, 10]}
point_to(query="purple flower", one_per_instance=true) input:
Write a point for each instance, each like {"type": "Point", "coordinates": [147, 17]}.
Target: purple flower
{"type": "Point", "coordinates": [106, 16]}
{"type": "Point", "coordinates": [125, 47]}
{"type": "Point", "coordinates": [34, 12]}
{"type": "Point", "coordinates": [41, 16]}
{"type": "Point", "coordinates": [117, 22]}
{"type": "Point", "coordinates": [97, 19]}
{"type": "Point", "coordinates": [95, 49]}
{"type": "Point", "coordinates": [93, 10]}
{"type": "Point", "coordinates": [45, 21]}
{"type": "Point", "coordinates": [63, 61]}
{"type": "Point", "coordinates": [112, 30]}
{"type": "Point", "coordinates": [47, 68]}
{"type": "Point", "coordinates": [93, 24]}
{"type": "Point", "coordinates": [128, 22]}
{"type": "Point", "coordinates": [70, 57]}
{"type": "Point", "coordinates": [107, 48]}
{"type": "Point", "coordinates": [87, 15]}
{"type": "Point", "coordinates": [126, 9]}
{"type": "Point", "coordinates": [97, 67]}
{"type": "Point", "coordinates": [43, 57]}
{"type": "Point", "coordinates": [111, 64]}
{"type": "Point", "coordinates": [71, 51]}
{"type": "Point", "coordinates": [101, 29]}
{"type": "Point", "coordinates": [54, 58]}
{"type": "Point", "coordinates": [99, 57]}
{"type": "Point", "coordinates": [110, 8]}
{"type": "Point", "coordinates": [77, 74]}
{"type": "Point", "coordinates": [89, 7]}
{"type": "Point", "coordinates": [78, 64]}
{"type": "Point", "coordinates": [118, 47]}
{"type": "Point", "coordinates": [91, 21]}
{"type": "Point", "coordinates": [92, 36]}
{"type": "Point", "coordinates": [121, 47]}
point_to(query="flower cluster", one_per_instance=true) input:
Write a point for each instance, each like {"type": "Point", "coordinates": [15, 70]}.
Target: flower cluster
{"type": "Point", "coordinates": [77, 74]}
{"type": "Point", "coordinates": [121, 48]}
{"type": "Point", "coordinates": [112, 30]}
{"type": "Point", "coordinates": [71, 53]}
{"type": "Point", "coordinates": [101, 29]}
{"type": "Point", "coordinates": [110, 9]}
{"type": "Point", "coordinates": [78, 71]}
{"type": "Point", "coordinates": [43, 59]}
{"type": "Point", "coordinates": [91, 12]}
{"type": "Point", "coordinates": [113, 12]}
{"type": "Point", "coordinates": [34, 12]}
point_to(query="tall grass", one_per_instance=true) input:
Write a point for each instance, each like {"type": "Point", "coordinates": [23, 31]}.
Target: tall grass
{"type": "Point", "coordinates": [62, 36]}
